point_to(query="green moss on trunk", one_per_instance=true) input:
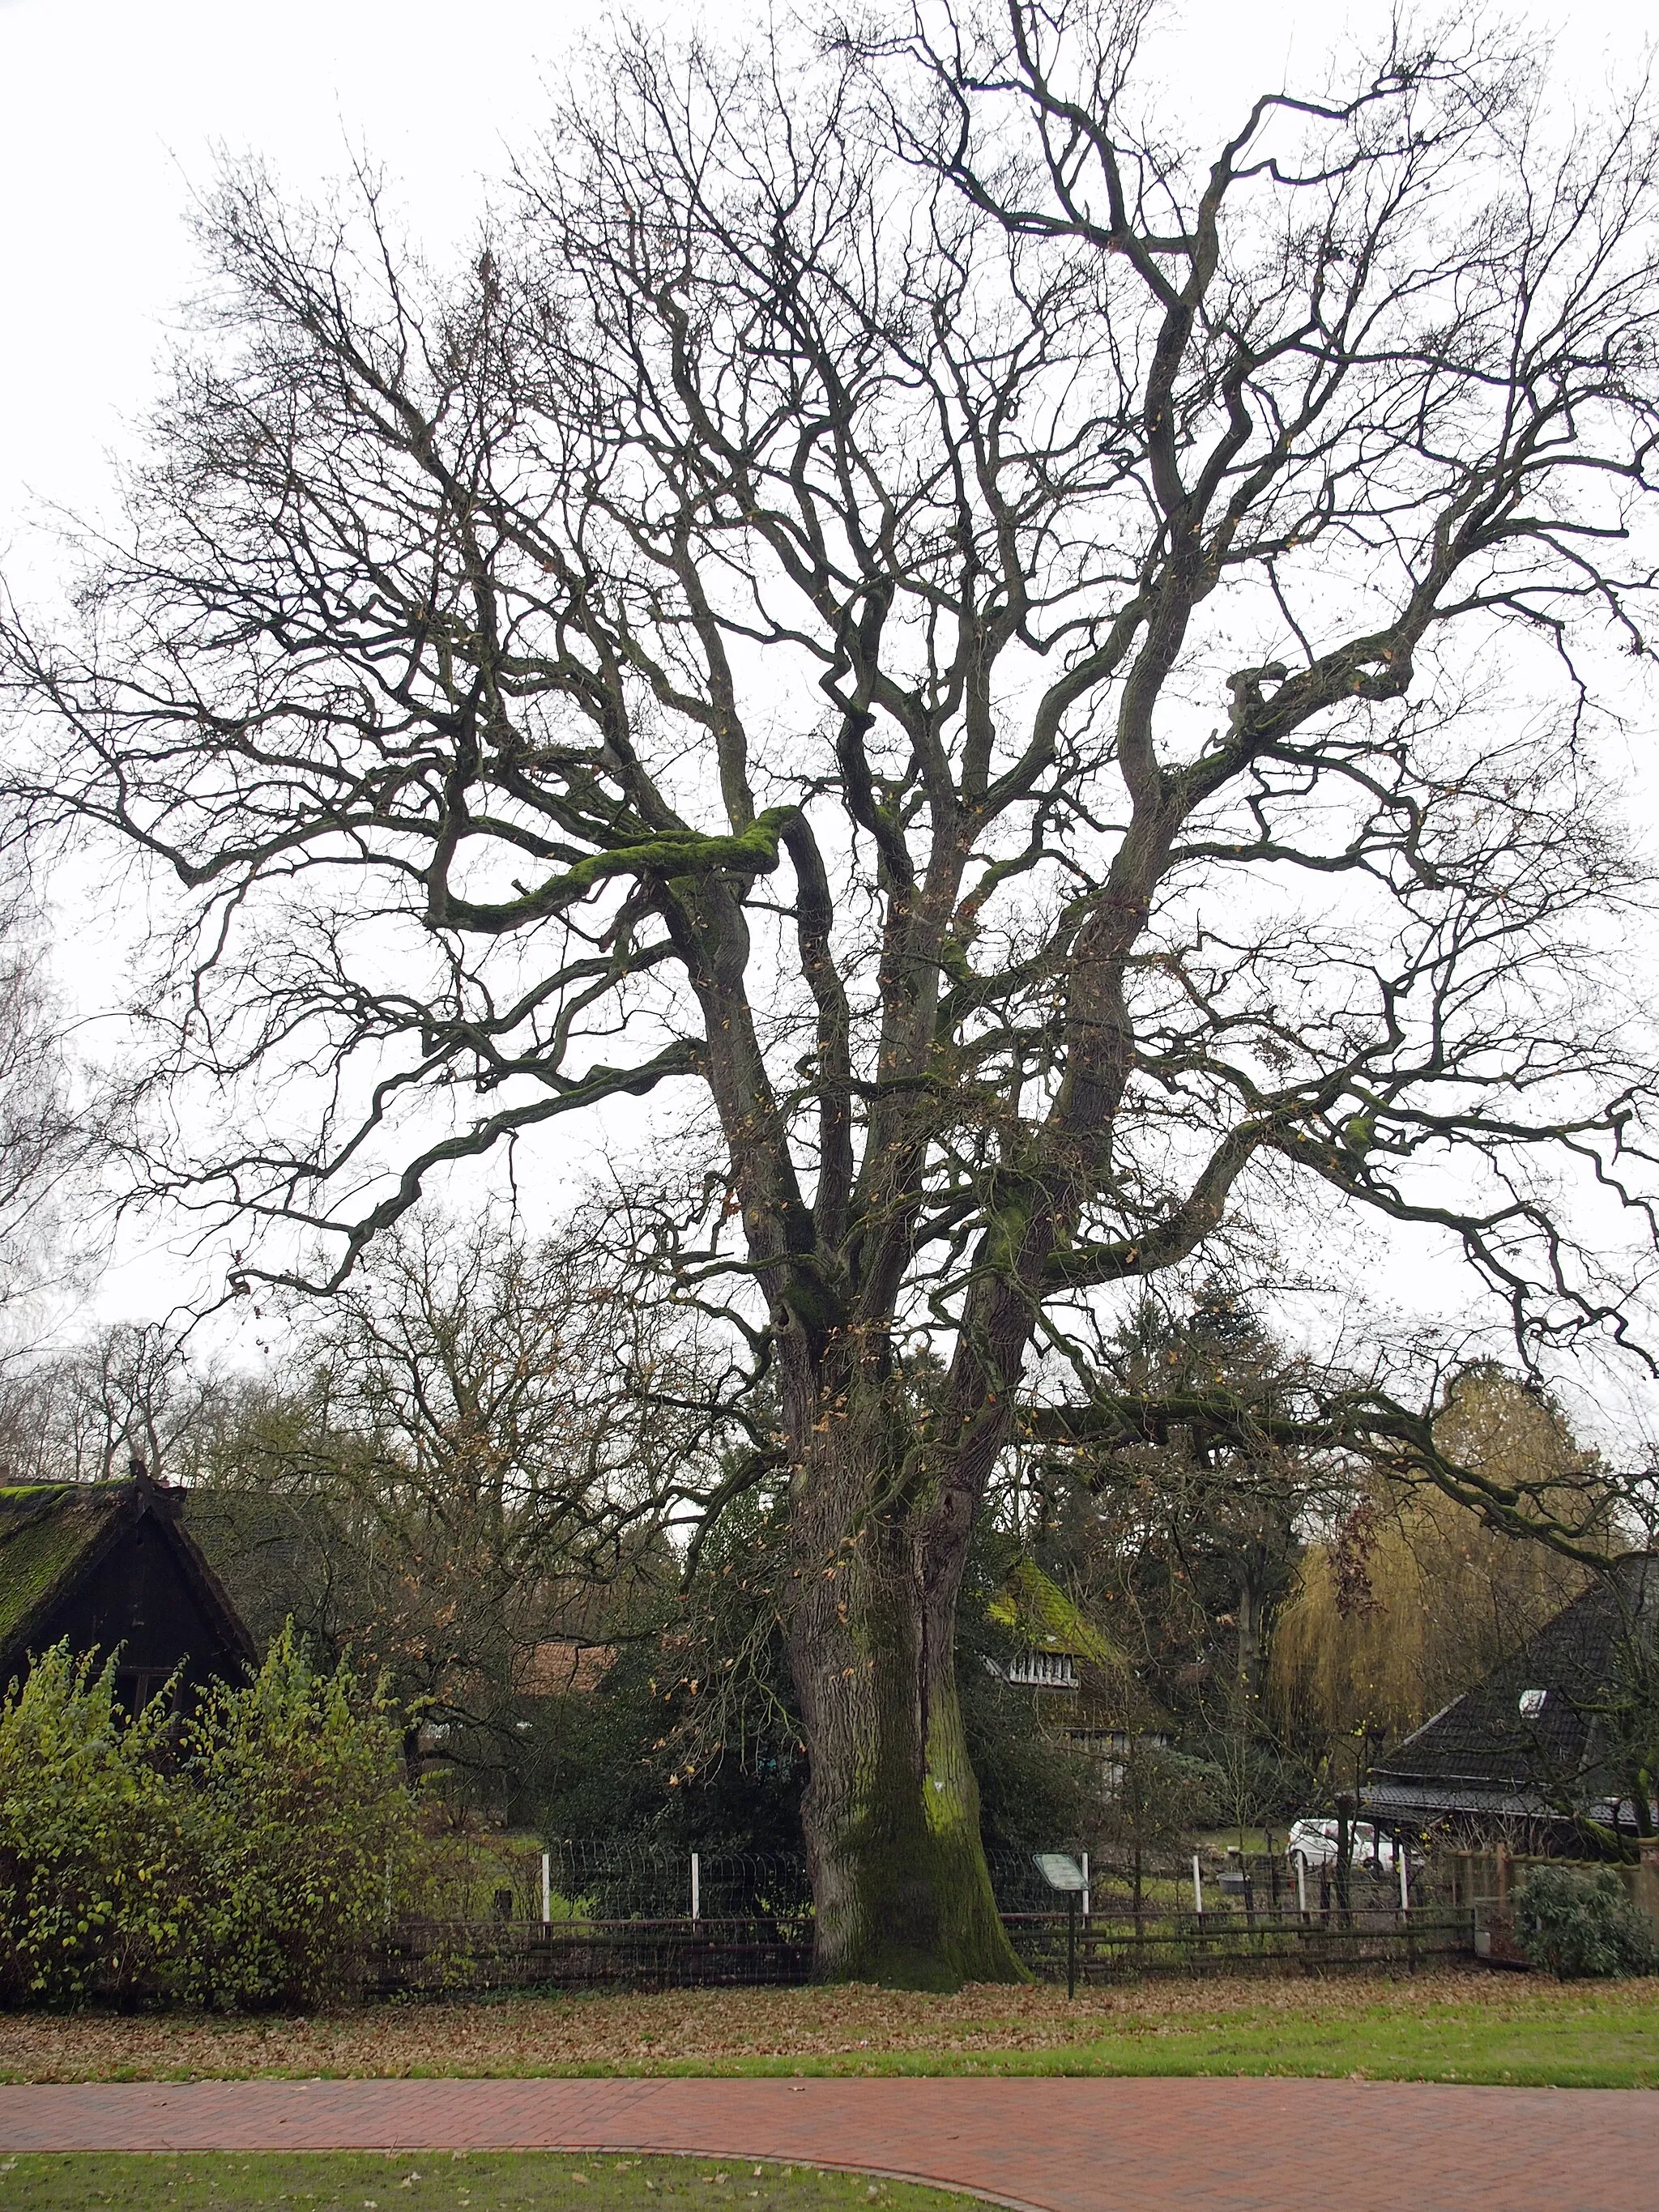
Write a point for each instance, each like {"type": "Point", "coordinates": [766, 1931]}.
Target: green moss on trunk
{"type": "Point", "coordinates": [892, 1813]}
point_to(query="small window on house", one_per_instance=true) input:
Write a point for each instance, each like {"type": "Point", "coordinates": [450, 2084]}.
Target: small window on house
{"type": "Point", "coordinates": [1532, 1703]}
{"type": "Point", "coordinates": [134, 1688]}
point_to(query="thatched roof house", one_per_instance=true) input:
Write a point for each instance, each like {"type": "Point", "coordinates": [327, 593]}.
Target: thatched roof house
{"type": "Point", "coordinates": [110, 1567]}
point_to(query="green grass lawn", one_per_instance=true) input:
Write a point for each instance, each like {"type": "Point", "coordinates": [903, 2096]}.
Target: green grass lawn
{"type": "Point", "coordinates": [471, 2181]}
{"type": "Point", "coordinates": [1216, 1842]}
{"type": "Point", "coordinates": [1610, 2049]}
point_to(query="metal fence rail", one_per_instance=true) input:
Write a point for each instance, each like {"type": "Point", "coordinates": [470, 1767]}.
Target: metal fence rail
{"type": "Point", "coordinates": [641, 1954]}
{"type": "Point", "coordinates": [509, 1912]}
{"type": "Point", "coordinates": [1117, 1947]}
{"type": "Point", "coordinates": [516, 1879]}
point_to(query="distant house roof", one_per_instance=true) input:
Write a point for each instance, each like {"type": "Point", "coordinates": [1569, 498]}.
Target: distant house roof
{"type": "Point", "coordinates": [559, 1665]}
{"type": "Point", "coordinates": [1034, 1608]}
{"type": "Point", "coordinates": [54, 1537]}
{"type": "Point", "coordinates": [1527, 1739]}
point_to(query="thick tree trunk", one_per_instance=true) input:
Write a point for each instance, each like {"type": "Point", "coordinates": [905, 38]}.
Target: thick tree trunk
{"type": "Point", "coordinates": [891, 1810]}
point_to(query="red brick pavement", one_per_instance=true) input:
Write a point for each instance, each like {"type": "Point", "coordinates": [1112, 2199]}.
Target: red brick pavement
{"type": "Point", "coordinates": [1056, 2145]}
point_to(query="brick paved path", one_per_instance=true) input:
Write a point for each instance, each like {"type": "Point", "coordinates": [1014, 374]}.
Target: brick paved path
{"type": "Point", "coordinates": [1061, 2146]}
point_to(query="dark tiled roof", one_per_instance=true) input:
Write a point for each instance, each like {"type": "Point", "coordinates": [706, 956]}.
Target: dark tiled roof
{"type": "Point", "coordinates": [1483, 1753]}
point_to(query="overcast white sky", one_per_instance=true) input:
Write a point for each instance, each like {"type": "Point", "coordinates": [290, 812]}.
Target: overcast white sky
{"type": "Point", "coordinates": [112, 113]}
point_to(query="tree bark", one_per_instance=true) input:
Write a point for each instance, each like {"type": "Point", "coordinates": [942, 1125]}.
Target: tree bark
{"type": "Point", "coordinates": [890, 1813]}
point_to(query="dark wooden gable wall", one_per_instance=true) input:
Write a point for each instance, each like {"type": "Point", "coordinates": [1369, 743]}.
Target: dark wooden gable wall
{"type": "Point", "coordinates": [132, 1582]}
{"type": "Point", "coordinates": [138, 1597]}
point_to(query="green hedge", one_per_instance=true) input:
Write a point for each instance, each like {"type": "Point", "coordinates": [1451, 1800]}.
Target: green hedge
{"type": "Point", "coordinates": [248, 1854]}
{"type": "Point", "coordinates": [1582, 1924]}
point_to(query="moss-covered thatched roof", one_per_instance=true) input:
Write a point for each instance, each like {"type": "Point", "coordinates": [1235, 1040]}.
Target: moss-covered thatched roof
{"type": "Point", "coordinates": [1033, 1608]}
{"type": "Point", "coordinates": [48, 1531]}
{"type": "Point", "coordinates": [51, 1534]}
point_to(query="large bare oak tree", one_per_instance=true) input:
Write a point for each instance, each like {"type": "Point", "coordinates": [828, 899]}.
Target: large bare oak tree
{"type": "Point", "coordinates": [1049, 678]}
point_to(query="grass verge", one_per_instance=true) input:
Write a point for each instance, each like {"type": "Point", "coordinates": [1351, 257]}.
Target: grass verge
{"type": "Point", "coordinates": [1447, 2026]}
{"type": "Point", "coordinates": [465, 2181]}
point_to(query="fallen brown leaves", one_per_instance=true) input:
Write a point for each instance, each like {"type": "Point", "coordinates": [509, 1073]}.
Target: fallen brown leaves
{"type": "Point", "coordinates": [850, 2027]}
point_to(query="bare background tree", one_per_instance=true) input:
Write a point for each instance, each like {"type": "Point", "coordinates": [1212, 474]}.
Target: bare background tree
{"type": "Point", "coordinates": [45, 1138]}
{"type": "Point", "coordinates": [1044, 681]}
{"type": "Point", "coordinates": [467, 1468]}
{"type": "Point", "coordinates": [52, 1141]}
{"type": "Point", "coordinates": [88, 1411]}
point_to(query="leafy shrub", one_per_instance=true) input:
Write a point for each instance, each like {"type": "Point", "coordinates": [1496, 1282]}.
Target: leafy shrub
{"type": "Point", "coordinates": [246, 1855]}
{"type": "Point", "coordinates": [90, 1852]}
{"type": "Point", "coordinates": [1582, 1924]}
{"type": "Point", "coordinates": [304, 1834]}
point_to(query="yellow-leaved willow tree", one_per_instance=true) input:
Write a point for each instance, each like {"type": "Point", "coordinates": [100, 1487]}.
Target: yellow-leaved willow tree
{"type": "Point", "coordinates": [1415, 1597]}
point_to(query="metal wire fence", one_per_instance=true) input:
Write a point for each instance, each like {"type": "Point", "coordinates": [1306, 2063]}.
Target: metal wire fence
{"type": "Point", "coordinates": [511, 1879]}
{"type": "Point", "coordinates": [1192, 1912]}
{"type": "Point", "coordinates": [1107, 1947]}
{"type": "Point", "coordinates": [499, 1912]}
{"type": "Point", "coordinates": [636, 1954]}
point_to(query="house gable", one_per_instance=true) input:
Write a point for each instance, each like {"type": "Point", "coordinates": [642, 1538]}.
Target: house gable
{"type": "Point", "coordinates": [108, 1567]}
{"type": "Point", "coordinates": [1521, 1742]}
